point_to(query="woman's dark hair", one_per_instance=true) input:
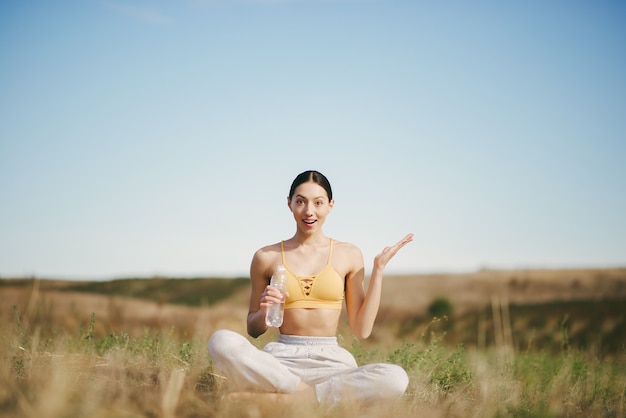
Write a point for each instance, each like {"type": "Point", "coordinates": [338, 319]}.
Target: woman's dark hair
{"type": "Point", "coordinates": [315, 177]}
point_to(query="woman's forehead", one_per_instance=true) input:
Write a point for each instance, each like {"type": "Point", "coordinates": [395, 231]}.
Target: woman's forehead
{"type": "Point", "coordinates": [310, 190]}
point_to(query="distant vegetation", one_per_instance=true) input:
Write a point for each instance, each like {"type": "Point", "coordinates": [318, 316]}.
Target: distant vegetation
{"type": "Point", "coordinates": [440, 307]}
{"type": "Point", "coordinates": [598, 326]}
{"type": "Point", "coordinates": [190, 292]}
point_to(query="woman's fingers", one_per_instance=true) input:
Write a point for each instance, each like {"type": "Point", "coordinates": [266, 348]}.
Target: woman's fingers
{"type": "Point", "coordinates": [271, 295]}
{"type": "Point", "coordinates": [383, 258]}
{"type": "Point", "coordinates": [408, 238]}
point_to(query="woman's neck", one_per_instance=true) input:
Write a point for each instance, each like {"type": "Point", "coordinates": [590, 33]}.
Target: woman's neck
{"type": "Point", "coordinates": [309, 239]}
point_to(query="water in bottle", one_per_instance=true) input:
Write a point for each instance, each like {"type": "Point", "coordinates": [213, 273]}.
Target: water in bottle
{"type": "Point", "coordinates": [274, 315]}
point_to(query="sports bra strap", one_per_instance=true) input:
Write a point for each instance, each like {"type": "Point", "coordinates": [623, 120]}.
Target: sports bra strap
{"type": "Point", "coordinates": [282, 250]}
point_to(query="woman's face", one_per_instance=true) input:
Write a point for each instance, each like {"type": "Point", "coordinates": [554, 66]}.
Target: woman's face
{"type": "Point", "coordinates": [310, 205]}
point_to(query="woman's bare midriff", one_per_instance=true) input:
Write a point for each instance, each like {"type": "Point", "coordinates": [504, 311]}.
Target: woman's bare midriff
{"type": "Point", "coordinates": [311, 322]}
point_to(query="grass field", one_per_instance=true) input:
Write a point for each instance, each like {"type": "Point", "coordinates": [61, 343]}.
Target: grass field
{"type": "Point", "coordinates": [517, 343]}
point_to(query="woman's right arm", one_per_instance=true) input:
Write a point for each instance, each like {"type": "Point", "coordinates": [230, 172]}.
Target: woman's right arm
{"type": "Point", "coordinates": [258, 291]}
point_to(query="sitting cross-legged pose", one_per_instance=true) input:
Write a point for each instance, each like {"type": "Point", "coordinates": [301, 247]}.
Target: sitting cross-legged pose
{"type": "Point", "coordinates": [322, 274]}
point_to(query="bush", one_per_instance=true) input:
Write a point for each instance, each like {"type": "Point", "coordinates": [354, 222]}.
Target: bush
{"type": "Point", "coordinates": [440, 307]}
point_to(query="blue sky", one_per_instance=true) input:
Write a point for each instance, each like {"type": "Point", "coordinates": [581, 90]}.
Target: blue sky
{"type": "Point", "coordinates": [142, 138]}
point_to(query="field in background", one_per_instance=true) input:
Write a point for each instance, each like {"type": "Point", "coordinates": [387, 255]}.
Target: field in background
{"type": "Point", "coordinates": [490, 343]}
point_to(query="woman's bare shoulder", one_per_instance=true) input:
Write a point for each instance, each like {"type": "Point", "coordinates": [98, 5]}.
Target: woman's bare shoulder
{"type": "Point", "coordinates": [267, 258]}
{"type": "Point", "coordinates": [347, 259]}
{"type": "Point", "coordinates": [268, 250]}
{"type": "Point", "coordinates": [347, 249]}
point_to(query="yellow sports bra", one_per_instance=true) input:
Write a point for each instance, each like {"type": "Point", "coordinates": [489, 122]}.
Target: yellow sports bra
{"type": "Point", "coordinates": [323, 290]}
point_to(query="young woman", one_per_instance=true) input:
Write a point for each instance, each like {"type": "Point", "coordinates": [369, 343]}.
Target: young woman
{"type": "Point", "coordinates": [322, 274]}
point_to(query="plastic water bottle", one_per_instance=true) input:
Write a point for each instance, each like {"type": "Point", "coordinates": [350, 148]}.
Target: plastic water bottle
{"type": "Point", "coordinates": [274, 315]}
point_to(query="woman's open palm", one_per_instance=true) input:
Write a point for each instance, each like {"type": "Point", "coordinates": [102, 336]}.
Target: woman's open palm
{"type": "Point", "coordinates": [387, 254]}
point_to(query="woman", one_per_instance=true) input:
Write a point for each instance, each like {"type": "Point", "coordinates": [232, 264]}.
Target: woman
{"type": "Point", "coordinates": [322, 274]}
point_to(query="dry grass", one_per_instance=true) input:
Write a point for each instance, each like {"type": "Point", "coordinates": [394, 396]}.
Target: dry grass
{"type": "Point", "coordinates": [75, 354]}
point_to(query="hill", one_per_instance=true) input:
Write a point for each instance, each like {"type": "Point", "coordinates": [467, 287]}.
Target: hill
{"type": "Point", "coordinates": [530, 309]}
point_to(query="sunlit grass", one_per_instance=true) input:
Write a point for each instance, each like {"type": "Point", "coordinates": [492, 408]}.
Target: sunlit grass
{"type": "Point", "coordinates": [50, 373]}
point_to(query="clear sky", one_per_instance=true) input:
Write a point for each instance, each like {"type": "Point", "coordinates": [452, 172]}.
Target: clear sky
{"type": "Point", "coordinates": [142, 138]}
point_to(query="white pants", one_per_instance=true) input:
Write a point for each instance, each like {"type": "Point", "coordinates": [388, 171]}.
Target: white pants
{"type": "Point", "coordinates": [317, 361]}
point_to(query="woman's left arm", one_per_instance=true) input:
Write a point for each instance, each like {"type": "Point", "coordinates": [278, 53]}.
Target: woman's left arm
{"type": "Point", "coordinates": [363, 306]}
